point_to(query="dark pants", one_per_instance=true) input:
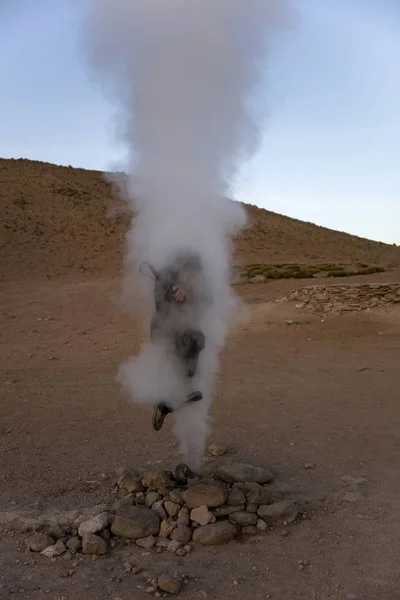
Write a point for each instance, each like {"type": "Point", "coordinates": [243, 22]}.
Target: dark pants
{"type": "Point", "coordinates": [187, 346]}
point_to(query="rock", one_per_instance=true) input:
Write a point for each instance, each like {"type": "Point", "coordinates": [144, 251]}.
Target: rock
{"type": "Point", "coordinates": [74, 544]}
{"type": "Point", "coordinates": [56, 532]}
{"type": "Point", "coordinates": [224, 511]}
{"type": "Point", "coordinates": [131, 483]}
{"type": "Point", "coordinates": [231, 472]}
{"type": "Point", "coordinates": [262, 526]}
{"type": "Point", "coordinates": [211, 496]}
{"type": "Point", "coordinates": [88, 514]}
{"type": "Point", "coordinates": [140, 499]}
{"type": "Point", "coordinates": [221, 532]}
{"type": "Point", "coordinates": [183, 473]}
{"type": "Point", "coordinates": [256, 494]}
{"type": "Point", "coordinates": [252, 508]}
{"type": "Point", "coordinates": [151, 498]}
{"type": "Point", "coordinates": [135, 522]}
{"type": "Point", "coordinates": [159, 509]}
{"type": "Point", "coordinates": [166, 528]}
{"type": "Point", "coordinates": [182, 534]}
{"type": "Point", "coordinates": [146, 542]}
{"type": "Point", "coordinates": [39, 542]}
{"type": "Point", "coordinates": [236, 496]}
{"type": "Point", "coordinates": [169, 583]}
{"type": "Point", "coordinates": [183, 517]}
{"type": "Point", "coordinates": [202, 515]}
{"type": "Point", "coordinates": [250, 530]}
{"type": "Point", "coordinates": [173, 546]}
{"type": "Point", "coordinates": [105, 534]}
{"type": "Point", "coordinates": [162, 542]}
{"type": "Point", "coordinates": [172, 508]}
{"type": "Point", "coordinates": [125, 501]}
{"type": "Point", "coordinates": [243, 518]}
{"type": "Point", "coordinates": [94, 525]}
{"type": "Point", "coordinates": [93, 544]}
{"type": "Point", "coordinates": [54, 550]}
{"type": "Point", "coordinates": [176, 496]}
{"type": "Point", "coordinates": [216, 449]}
{"type": "Point", "coordinates": [157, 481]}
{"type": "Point", "coordinates": [278, 512]}
{"type": "Point", "coordinates": [258, 279]}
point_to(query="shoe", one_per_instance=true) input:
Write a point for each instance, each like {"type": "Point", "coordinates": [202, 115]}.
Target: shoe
{"type": "Point", "coordinates": [194, 397]}
{"type": "Point", "coordinates": [159, 414]}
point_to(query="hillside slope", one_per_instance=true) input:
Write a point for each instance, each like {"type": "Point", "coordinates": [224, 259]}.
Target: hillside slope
{"type": "Point", "coordinates": [55, 221]}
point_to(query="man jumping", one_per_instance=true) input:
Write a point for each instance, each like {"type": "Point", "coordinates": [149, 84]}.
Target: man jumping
{"type": "Point", "coordinates": [178, 299]}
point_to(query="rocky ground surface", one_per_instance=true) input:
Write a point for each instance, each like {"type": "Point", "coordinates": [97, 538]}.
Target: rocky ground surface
{"type": "Point", "coordinates": [312, 400]}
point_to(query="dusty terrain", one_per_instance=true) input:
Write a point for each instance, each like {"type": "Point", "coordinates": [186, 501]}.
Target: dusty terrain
{"type": "Point", "coordinates": [321, 393]}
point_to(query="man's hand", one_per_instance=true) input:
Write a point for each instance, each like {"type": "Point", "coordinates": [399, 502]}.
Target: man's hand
{"type": "Point", "coordinates": [178, 294]}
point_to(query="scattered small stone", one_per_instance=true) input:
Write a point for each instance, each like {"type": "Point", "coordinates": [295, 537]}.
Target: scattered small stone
{"type": "Point", "coordinates": [170, 583]}
{"type": "Point", "coordinates": [187, 548]}
{"type": "Point", "coordinates": [172, 508]}
{"type": "Point", "coordinates": [56, 532]}
{"type": "Point", "coordinates": [284, 533]}
{"type": "Point", "coordinates": [151, 498]}
{"type": "Point", "coordinates": [309, 466]}
{"type": "Point", "coordinates": [278, 512]}
{"type": "Point", "coordinates": [147, 542]}
{"type": "Point", "coordinates": [39, 542]}
{"type": "Point", "coordinates": [183, 517]}
{"type": "Point", "coordinates": [243, 518]}
{"type": "Point", "coordinates": [176, 496]}
{"type": "Point", "coordinates": [202, 515]}
{"type": "Point", "coordinates": [249, 530]}
{"type": "Point", "coordinates": [216, 449]}
{"type": "Point", "coordinates": [211, 496]}
{"type": "Point", "coordinates": [162, 542]}
{"type": "Point", "coordinates": [166, 528]}
{"type": "Point", "coordinates": [262, 526]}
{"type": "Point", "coordinates": [224, 511]}
{"type": "Point", "coordinates": [150, 590]}
{"type": "Point", "coordinates": [121, 502]}
{"type": "Point", "coordinates": [131, 483]}
{"type": "Point", "coordinates": [351, 597]}
{"type": "Point", "coordinates": [182, 534]}
{"type": "Point", "coordinates": [54, 550]}
{"type": "Point", "coordinates": [232, 472]}
{"type": "Point", "coordinates": [157, 481]}
{"type": "Point", "coordinates": [94, 525]}
{"type": "Point", "coordinates": [158, 507]}
{"type": "Point", "coordinates": [93, 544]}
{"type": "Point", "coordinates": [140, 499]}
{"type": "Point", "coordinates": [183, 473]}
{"type": "Point", "coordinates": [136, 570]}
{"type": "Point", "coordinates": [173, 546]}
{"type": "Point", "coordinates": [236, 496]}
{"type": "Point", "coordinates": [216, 533]}
{"type": "Point", "coordinates": [135, 522]}
{"type": "Point", "coordinates": [256, 494]}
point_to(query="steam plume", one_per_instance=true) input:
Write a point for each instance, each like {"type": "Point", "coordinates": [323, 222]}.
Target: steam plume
{"type": "Point", "coordinates": [182, 74]}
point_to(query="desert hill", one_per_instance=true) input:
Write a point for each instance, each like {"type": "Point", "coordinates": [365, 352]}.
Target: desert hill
{"type": "Point", "coordinates": [56, 221]}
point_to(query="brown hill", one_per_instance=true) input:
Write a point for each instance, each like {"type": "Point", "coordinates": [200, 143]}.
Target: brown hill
{"type": "Point", "coordinates": [55, 221]}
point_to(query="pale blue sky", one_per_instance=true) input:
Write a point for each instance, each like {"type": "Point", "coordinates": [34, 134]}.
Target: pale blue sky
{"type": "Point", "coordinates": [332, 141]}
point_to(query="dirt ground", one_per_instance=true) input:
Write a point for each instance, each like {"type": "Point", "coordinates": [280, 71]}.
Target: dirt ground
{"type": "Point", "coordinates": [318, 393]}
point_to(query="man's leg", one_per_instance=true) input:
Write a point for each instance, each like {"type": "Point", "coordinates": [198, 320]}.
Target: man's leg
{"type": "Point", "coordinates": [162, 410]}
{"type": "Point", "coordinates": [189, 345]}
